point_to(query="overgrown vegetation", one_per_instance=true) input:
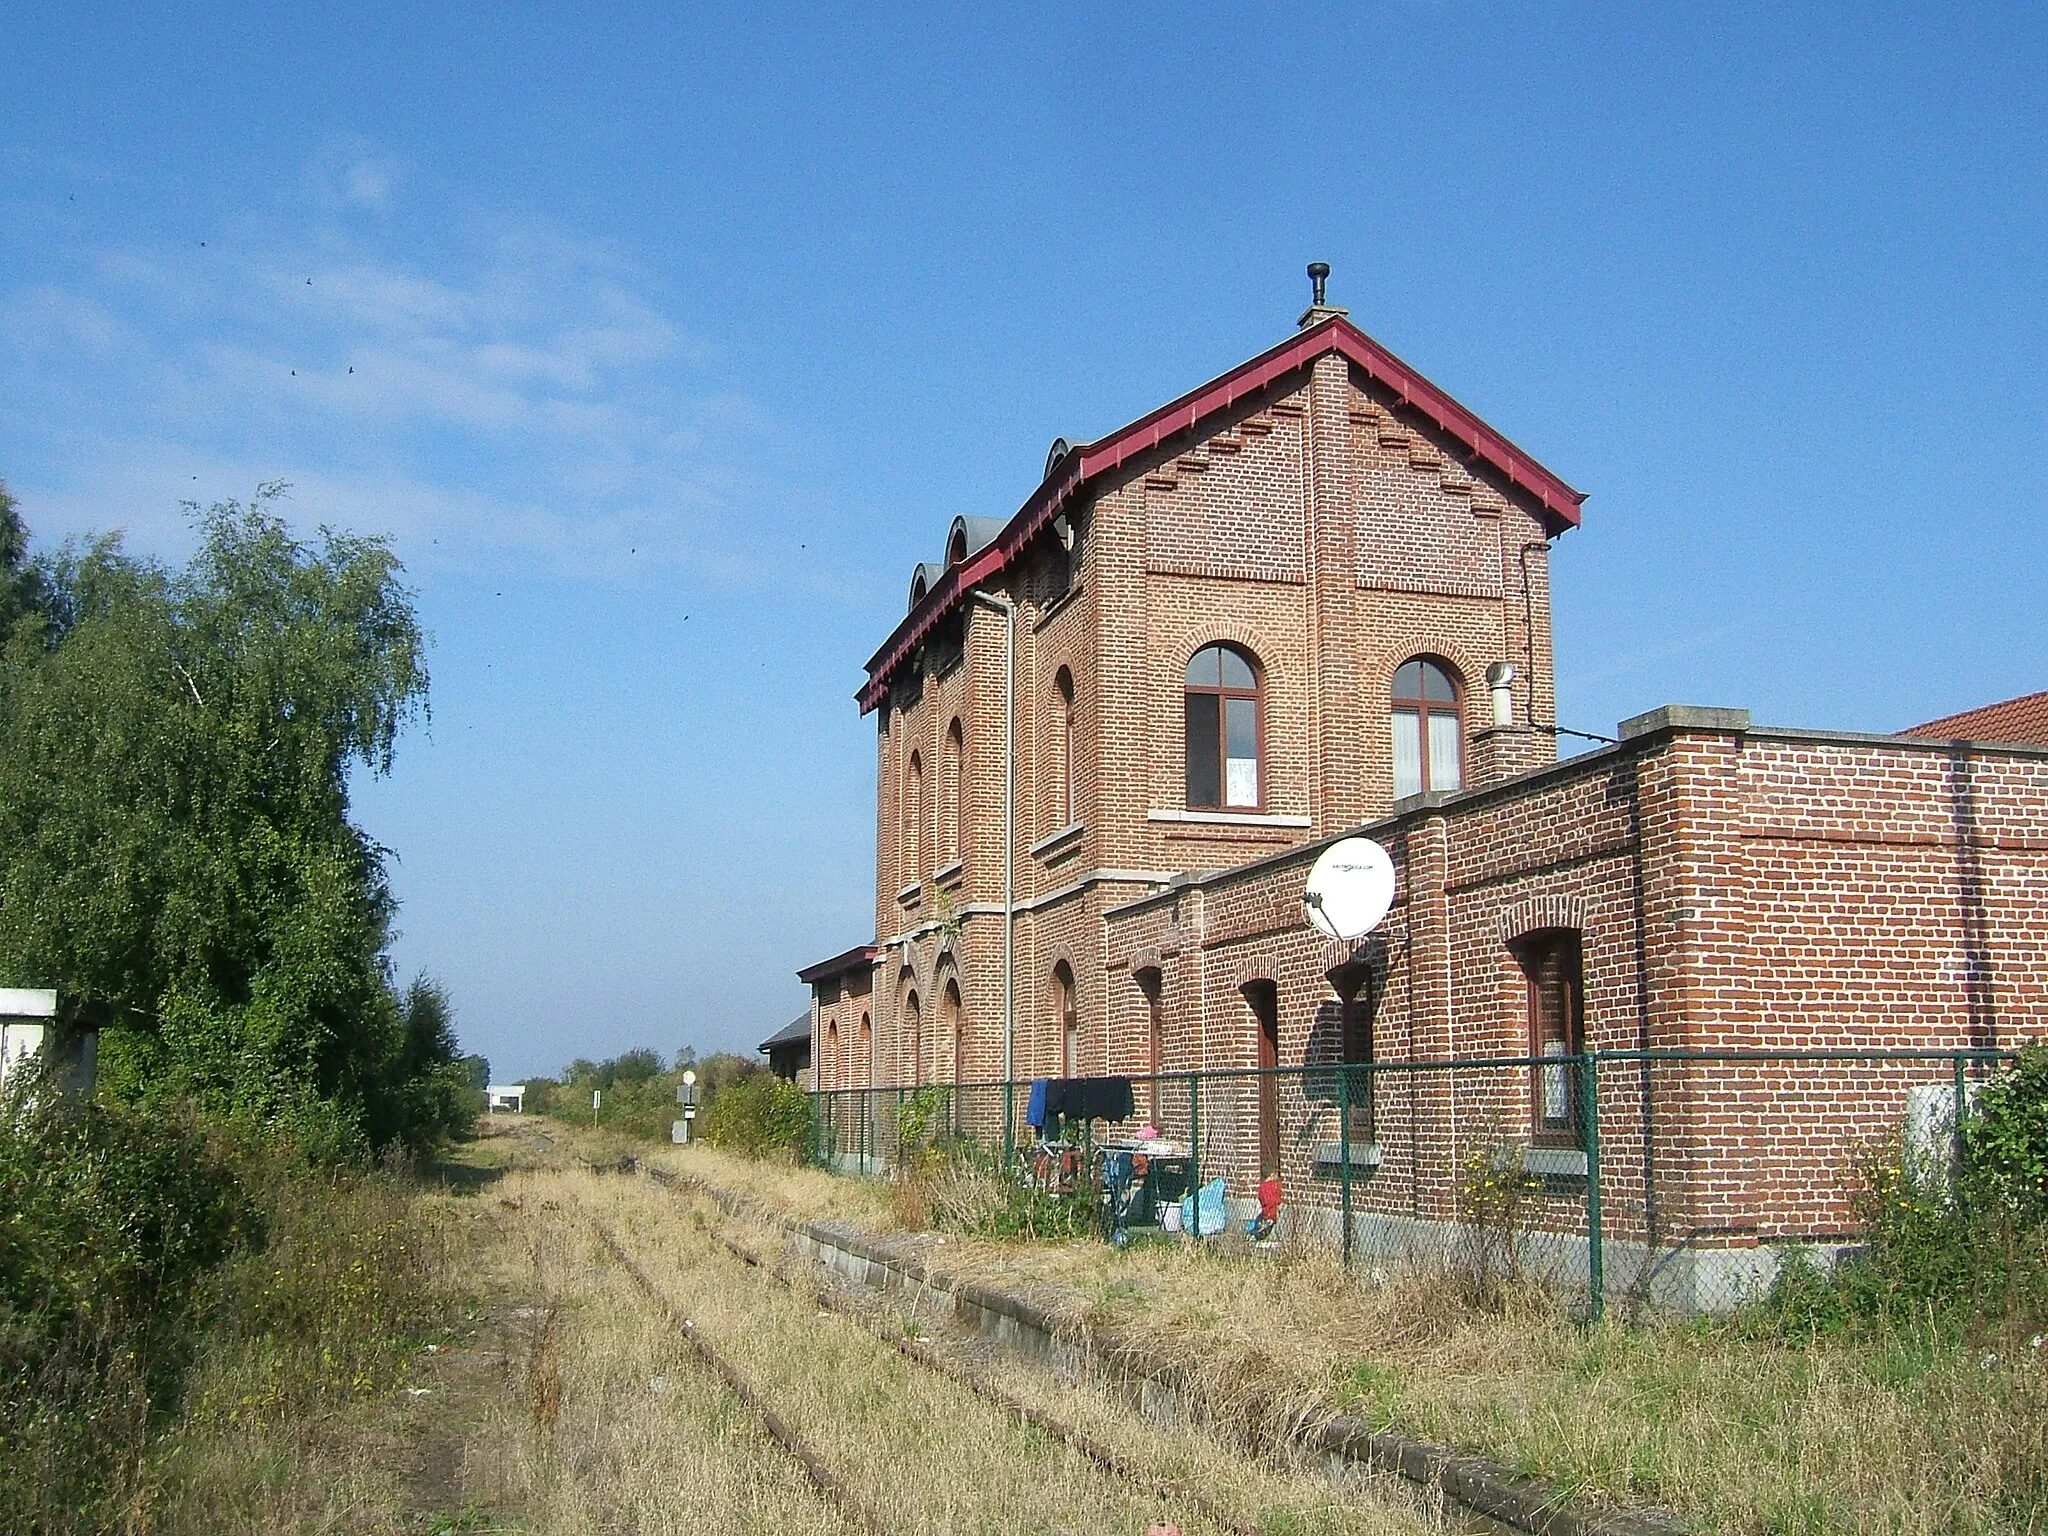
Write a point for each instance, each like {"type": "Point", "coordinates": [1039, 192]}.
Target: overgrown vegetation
{"type": "Point", "coordinates": [740, 1104]}
{"type": "Point", "coordinates": [165, 1281]}
{"type": "Point", "coordinates": [1906, 1390]}
{"type": "Point", "coordinates": [176, 853]}
{"type": "Point", "coordinates": [177, 859]}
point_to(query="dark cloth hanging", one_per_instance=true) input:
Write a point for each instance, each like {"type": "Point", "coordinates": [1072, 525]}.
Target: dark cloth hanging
{"type": "Point", "coordinates": [1079, 1098]}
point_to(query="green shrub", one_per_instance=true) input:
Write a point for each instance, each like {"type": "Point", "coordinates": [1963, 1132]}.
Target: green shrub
{"type": "Point", "coordinates": [760, 1116]}
{"type": "Point", "coordinates": [109, 1222]}
{"type": "Point", "coordinates": [2005, 1139]}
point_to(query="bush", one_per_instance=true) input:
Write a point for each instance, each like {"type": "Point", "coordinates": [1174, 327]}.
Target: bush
{"type": "Point", "coordinates": [2005, 1141]}
{"type": "Point", "coordinates": [112, 1220]}
{"type": "Point", "coordinates": [1950, 1246]}
{"type": "Point", "coordinates": [760, 1116]}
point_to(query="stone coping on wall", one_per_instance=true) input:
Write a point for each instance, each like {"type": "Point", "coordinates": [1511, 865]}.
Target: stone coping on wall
{"type": "Point", "coordinates": [1034, 1327]}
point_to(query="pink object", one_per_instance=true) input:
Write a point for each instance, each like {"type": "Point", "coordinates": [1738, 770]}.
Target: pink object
{"type": "Point", "coordinates": [1269, 1199]}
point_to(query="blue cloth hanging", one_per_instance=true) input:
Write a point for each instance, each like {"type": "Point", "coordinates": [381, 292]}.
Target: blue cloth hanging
{"type": "Point", "coordinates": [1202, 1212]}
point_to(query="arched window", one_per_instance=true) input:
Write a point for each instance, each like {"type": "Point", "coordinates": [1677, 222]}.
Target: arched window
{"type": "Point", "coordinates": [867, 1052]}
{"type": "Point", "coordinates": [1063, 743]}
{"type": "Point", "coordinates": [913, 820]}
{"type": "Point", "coordinates": [1552, 961]}
{"type": "Point", "coordinates": [949, 793]}
{"type": "Point", "coordinates": [956, 548]}
{"type": "Point", "coordinates": [1224, 731]}
{"type": "Point", "coordinates": [951, 1024]}
{"type": "Point", "coordinates": [829, 1074]}
{"type": "Point", "coordinates": [913, 1031]}
{"type": "Point", "coordinates": [1428, 736]}
{"type": "Point", "coordinates": [1070, 1020]}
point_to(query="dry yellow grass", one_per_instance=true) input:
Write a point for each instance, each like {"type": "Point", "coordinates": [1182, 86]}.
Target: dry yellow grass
{"type": "Point", "coordinates": [935, 1457]}
{"type": "Point", "coordinates": [1737, 1430]}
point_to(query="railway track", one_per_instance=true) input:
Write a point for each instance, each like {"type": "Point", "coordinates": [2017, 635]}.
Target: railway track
{"type": "Point", "coordinates": [1104, 1456]}
{"type": "Point", "coordinates": [802, 1452]}
{"type": "Point", "coordinates": [859, 1512]}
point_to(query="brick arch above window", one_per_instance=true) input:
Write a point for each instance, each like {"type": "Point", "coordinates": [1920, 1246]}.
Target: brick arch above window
{"type": "Point", "coordinates": [1398, 650]}
{"type": "Point", "coordinates": [1534, 913]}
{"type": "Point", "coordinates": [1055, 956]}
{"type": "Point", "coordinates": [1259, 970]}
{"type": "Point", "coordinates": [1171, 664]}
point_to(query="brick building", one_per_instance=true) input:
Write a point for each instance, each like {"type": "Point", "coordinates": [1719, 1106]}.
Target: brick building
{"type": "Point", "coordinates": [1312, 597]}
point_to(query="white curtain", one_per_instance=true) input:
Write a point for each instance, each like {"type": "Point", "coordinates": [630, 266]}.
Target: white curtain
{"type": "Point", "coordinates": [1407, 754]}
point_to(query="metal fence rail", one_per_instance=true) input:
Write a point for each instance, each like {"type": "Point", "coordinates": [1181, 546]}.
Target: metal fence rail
{"type": "Point", "coordinates": [1678, 1178]}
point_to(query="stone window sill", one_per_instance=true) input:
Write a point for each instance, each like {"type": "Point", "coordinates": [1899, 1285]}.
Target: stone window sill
{"type": "Point", "coordinates": [1364, 1154]}
{"type": "Point", "coordinates": [1227, 818]}
{"type": "Point", "coordinates": [951, 874]}
{"type": "Point", "coordinates": [1554, 1162]}
{"type": "Point", "coordinates": [911, 893]}
{"type": "Point", "coordinates": [1055, 841]}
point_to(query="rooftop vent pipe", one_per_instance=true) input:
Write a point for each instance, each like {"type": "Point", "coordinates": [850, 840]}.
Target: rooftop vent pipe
{"type": "Point", "coordinates": [1500, 677]}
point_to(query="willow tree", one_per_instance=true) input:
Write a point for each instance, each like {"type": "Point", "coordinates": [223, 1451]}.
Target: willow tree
{"type": "Point", "coordinates": [176, 851]}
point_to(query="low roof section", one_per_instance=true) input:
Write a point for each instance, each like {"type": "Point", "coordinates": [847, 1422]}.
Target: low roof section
{"type": "Point", "coordinates": [797, 1029]}
{"type": "Point", "coordinates": [860, 958]}
{"type": "Point", "coordinates": [2013, 722]}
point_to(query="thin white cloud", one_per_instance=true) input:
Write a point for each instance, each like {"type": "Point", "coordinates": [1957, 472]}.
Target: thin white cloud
{"type": "Point", "coordinates": [523, 392]}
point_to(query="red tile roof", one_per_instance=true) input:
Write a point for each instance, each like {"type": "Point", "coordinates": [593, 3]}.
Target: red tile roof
{"type": "Point", "coordinates": [2023, 720]}
{"type": "Point", "coordinates": [1088, 462]}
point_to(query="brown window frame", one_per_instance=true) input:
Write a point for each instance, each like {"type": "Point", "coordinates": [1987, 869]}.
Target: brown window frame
{"type": "Point", "coordinates": [1358, 1047]}
{"type": "Point", "coordinates": [1223, 695]}
{"type": "Point", "coordinates": [1533, 951]}
{"type": "Point", "coordinates": [1068, 1008]}
{"type": "Point", "coordinates": [1422, 707]}
{"type": "Point", "coordinates": [913, 1019]}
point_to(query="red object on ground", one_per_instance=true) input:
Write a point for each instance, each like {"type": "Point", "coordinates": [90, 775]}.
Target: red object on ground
{"type": "Point", "coordinates": [1269, 1199]}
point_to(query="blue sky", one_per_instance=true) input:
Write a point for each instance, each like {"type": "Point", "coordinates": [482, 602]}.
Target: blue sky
{"type": "Point", "coordinates": [663, 341]}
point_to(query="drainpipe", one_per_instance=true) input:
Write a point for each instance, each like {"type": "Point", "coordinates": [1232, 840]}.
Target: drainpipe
{"type": "Point", "coordinates": [1008, 610]}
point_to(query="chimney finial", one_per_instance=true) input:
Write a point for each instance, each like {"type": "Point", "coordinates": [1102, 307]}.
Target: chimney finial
{"type": "Point", "coordinates": [1318, 274]}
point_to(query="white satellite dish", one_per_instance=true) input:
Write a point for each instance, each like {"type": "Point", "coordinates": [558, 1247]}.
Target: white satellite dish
{"type": "Point", "coordinates": [1350, 889]}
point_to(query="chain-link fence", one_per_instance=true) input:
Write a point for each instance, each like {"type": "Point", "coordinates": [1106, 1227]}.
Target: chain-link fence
{"type": "Point", "coordinates": [1677, 1179]}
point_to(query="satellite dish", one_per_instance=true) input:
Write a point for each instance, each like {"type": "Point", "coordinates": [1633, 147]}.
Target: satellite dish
{"type": "Point", "coordinates": [1350, 889]}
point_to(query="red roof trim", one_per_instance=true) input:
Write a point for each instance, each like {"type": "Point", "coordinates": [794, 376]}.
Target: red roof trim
{"type": "Point", "coordinates": [1090, 461]}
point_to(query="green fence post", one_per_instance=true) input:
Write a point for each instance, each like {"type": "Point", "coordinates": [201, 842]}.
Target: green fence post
{"type": "Point", "coordinates": [1956, 1128]}
{"type": "Point", "coordinates": [1195, 1136]}
{"type": "Point", "coordinates": [1344, 1152]}
{"type": "Point", "coordinates": [1009, 1127]}
{"type": "Point", "coordinates": [866, 1112]}
{"type": "Point", "coordinates": [1589, 1109]}
{"type": "Point", "coordinates": [897, 1129]}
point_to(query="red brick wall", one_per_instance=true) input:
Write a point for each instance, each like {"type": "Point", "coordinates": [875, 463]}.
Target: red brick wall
{"type": "Point", "coordinates": [1790, 892]}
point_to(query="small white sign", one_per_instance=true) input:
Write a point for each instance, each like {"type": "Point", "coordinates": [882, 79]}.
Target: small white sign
{"type": "Point", "coordinates": [595, 1093]}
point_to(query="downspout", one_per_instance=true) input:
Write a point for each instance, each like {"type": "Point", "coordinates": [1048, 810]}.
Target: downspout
{"type": "Point", "coordinates": [1008, 610]}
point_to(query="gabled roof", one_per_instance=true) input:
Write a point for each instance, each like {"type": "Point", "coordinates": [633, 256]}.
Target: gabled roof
{"type": "Point", "coordinates": [1067, 476]}
{"type": "Point", "coordinates": [2021, 722]}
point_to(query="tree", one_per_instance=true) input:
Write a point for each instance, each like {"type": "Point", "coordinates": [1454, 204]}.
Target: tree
{"type": "Point", "coordinates": [175, 843]}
